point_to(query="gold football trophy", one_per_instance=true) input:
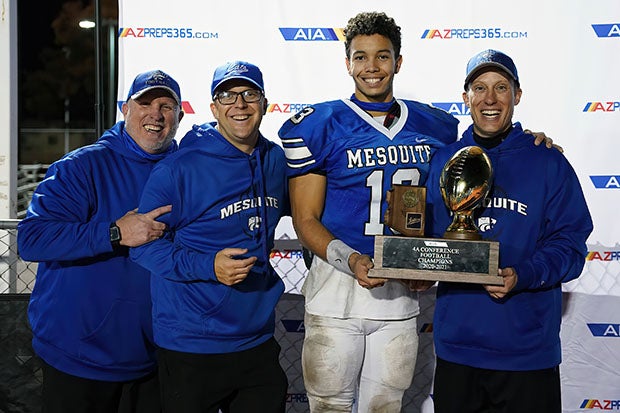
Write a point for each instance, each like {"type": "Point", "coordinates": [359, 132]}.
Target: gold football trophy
{"type": "Point", "coordinates": [461, 255]}
{"type": "Point", "coordinates": [465, 182]}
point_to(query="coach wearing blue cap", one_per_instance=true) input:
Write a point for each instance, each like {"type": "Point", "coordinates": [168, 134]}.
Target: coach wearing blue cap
{"type": "Point", "coordinates": [498, 347]}
{"type": "Point", "coordinates": [214, 290]}
{"type": "Point", "coordinates": [90, 309]}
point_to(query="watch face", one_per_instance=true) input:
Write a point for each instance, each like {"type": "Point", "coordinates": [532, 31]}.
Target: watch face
{"type": "Point", "coordinates": [115, 234]}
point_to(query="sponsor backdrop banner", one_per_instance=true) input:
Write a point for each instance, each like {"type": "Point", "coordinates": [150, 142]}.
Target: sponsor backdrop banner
{"type": "Point", "coordinates": [567, 54]}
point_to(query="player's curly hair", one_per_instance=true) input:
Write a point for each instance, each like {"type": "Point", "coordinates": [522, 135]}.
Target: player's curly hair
{"type": "Point", "coordinates": [369, 23]}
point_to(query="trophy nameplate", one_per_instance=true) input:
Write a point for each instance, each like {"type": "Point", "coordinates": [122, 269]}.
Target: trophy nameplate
{"type": "Point", "coordinates": [461, 255]}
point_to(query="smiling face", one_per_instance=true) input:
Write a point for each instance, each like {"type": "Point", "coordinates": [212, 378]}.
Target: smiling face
{"type": "Point", "coordinates": [152, 120]}
{"type": "Point", "coordinates": [239, 121]}
{"type": "Point", "coordinates": [491, 98]}
{"type": "Point", "coordinates": [372, 64]}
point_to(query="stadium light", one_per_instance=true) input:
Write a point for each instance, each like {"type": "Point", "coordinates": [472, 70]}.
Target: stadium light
{"type": "Point", "coordinates": [87, 24]}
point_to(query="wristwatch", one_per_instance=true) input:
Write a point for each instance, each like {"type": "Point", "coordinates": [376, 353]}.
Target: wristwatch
{"type": "Point", "coordinates": [115, 235]}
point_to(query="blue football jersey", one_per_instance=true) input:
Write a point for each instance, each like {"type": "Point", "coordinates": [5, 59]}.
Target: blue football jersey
{"type": "Point", "coordinates": [362, 159]}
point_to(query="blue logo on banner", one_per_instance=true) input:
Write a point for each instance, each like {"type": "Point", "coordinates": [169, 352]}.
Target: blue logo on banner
{"type": "Point", "coordinates": [294, 326]}
{"type": "Point", "coordinates": [165, 32]}
{"type": "Point", "coordinates": [596, 404]}
{"type": "Point", "coordinates": [312, 34]}
{"type": "Point", "coordinates": [613, 255]}
{"type": "Point", "coordinates": [604, 330]}
{"type": "Point", "coordinates": [607, 30]}
{"type": "Point", "coordinates": [610, 106]}
{"type": "Point", "coordinates": [606, 181]}
{"type": "Point", "coordinates": [453, 108]}
{"type": "Point", "coordinates": [286, 107]}
{"type": "Point", "coordinates": [473, 33]}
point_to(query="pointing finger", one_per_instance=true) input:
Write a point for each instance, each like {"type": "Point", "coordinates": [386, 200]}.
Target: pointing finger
{"type": "Point", "coordinates": [158, 211]}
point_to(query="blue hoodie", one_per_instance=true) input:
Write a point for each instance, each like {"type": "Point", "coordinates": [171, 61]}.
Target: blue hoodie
{"type": "Point", "coordinates": [537, 212]}
{"type": "Point", "coordinates": [90, 309]}
{"type": "Point", "coordinates": [221, 198]}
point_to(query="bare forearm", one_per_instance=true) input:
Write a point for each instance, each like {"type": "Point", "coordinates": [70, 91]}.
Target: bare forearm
{"type": "Point", "coordinates": [313, 235]}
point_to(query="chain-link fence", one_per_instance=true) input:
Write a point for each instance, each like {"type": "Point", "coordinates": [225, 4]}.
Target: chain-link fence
{"type": "Point", "coordinates": [16, 275]}
{"type": "Point", "coordinates": [20, 369]}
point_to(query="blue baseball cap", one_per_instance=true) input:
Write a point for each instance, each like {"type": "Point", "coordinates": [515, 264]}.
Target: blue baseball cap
{"type": "Point", "coordinates": [154, 79]}
{"type": "Point", "coordinates": [491, 58]}
{"type": "Point", "coordinates": [237, 70]}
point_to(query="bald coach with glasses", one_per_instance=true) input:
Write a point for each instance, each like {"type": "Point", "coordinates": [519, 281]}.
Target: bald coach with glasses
{"type": "Point", "coordinates": [214, 290]}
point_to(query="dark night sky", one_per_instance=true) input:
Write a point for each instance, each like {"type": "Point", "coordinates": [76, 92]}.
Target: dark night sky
{"type": "Point", "coordinates": [52, 94]}
{"type": "Point", "coordinates": [34, 26]}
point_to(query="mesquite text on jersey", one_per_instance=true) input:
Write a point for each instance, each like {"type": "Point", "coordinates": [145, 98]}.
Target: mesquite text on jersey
{"type": "Point", "coordinates": [393, 155]}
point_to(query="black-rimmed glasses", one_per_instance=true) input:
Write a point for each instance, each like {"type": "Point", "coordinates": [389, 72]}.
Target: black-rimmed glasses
{"type": "Point", "coordinates": [228, 97]}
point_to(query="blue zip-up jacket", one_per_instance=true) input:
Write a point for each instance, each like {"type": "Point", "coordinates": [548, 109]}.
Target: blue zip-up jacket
{"type": "Point", "coordinates": [90, 309]}
{"type": "Point", "coordinates": [537, 212]}
{"type": "Point", "coordinates": [221, 198]}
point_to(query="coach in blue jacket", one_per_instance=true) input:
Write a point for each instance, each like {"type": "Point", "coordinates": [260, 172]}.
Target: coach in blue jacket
{"type": "Point", "coordinates": [90, 309]}
{"type": "Point", "coordinates": [214, 290]}
{"type": "Point", "coordinates": [498, 347]}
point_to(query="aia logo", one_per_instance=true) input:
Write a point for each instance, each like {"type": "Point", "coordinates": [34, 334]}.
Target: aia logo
{"type": "Point", "coordinates": [312, 34]}
{"type": "Point", "coordinates": [607, 30]}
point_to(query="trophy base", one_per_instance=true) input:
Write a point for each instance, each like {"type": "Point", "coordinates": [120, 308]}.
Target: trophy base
{"type": "Point", "coordinates": [462, 235]}
{"type": "Point", "coordinates": [436, 259]}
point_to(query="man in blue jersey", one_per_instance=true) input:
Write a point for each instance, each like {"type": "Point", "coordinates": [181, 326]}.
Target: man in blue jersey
{"type": "Point", "coordinates": [342, 156]}
{"type": "Point", "coordinates": [90, 310]}
{"type": "Point", "coordinates": [214, 290]}
{"type": "Point", "coordinates": [498, 347]}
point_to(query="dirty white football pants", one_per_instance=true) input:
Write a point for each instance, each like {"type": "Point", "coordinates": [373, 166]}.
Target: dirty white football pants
{"type": "Point", "coordinates": [342, 358]}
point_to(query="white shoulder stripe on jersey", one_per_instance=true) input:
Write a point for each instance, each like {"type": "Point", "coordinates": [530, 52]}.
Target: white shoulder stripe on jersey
{"type": "Point", "coordinates": [297, 154]}
{"type": "Point", "coordinates": [291, 141]}
{"type": "Point", "coordinates": [300, 165]}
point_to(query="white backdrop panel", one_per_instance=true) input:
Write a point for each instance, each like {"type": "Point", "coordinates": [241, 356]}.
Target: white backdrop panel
{"type": "Point", "coordinates": [567, 54]}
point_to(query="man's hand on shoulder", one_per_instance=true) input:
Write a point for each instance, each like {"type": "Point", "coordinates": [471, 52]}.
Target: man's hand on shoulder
{"type": "Point", "coordinates": [540, 137]}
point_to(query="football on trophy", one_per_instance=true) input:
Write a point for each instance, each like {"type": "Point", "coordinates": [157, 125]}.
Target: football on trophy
{"type": "Point", "coordinates": [464, 183]}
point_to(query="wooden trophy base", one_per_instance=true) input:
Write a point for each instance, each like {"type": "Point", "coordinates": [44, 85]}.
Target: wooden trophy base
{"type": "Point", "coordinates": [436, 259]}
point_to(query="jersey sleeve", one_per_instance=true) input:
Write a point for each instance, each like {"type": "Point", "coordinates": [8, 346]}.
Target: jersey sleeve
{"type": "Point", "coordinates": [305, 137]}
